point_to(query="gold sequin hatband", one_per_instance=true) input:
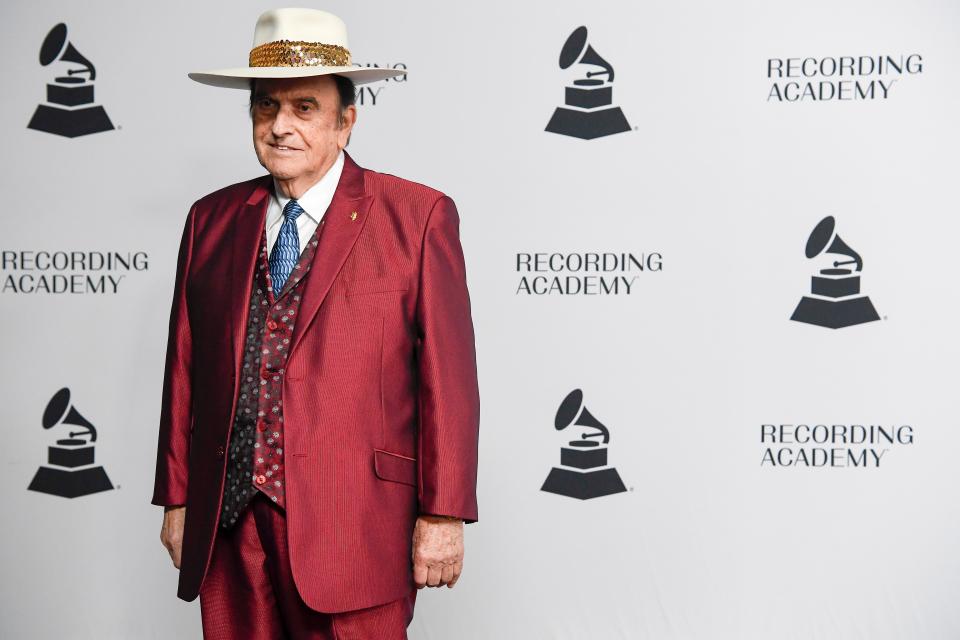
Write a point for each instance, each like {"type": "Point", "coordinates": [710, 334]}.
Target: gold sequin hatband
{"type": "Point", "coordinates": [298, 53]}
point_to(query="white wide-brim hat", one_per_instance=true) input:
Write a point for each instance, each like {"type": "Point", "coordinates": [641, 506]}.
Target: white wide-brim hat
{"type": "Point", "coordinates": [295, 43]}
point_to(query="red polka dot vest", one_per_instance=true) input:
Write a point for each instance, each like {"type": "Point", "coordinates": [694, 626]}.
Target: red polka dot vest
{"type": "Point", "coordinates": [255, 452]}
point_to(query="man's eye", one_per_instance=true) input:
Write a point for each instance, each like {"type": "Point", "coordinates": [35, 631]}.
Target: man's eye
{"type": "Point", "coordinates": [264, 104]}
{"type": "Point", "coordinates": [306, 107]}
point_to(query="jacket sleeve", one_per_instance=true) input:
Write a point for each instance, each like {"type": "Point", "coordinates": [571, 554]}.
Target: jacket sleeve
{"type": "Point", "coordinates": [449, 401]}
{"type": "Point", "coordinates": [173, 444]}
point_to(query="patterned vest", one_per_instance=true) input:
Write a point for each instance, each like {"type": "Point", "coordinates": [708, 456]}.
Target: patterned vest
{"type": "Point", "coordinates": [255, 452]}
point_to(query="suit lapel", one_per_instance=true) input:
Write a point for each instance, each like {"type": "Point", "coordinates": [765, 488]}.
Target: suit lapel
{"type": "Point", "coordinates": [249, 225]}
{"type": "Point", "coordinates": [336, 237]}
{"type": "Point", "coordinates": [341, 225]}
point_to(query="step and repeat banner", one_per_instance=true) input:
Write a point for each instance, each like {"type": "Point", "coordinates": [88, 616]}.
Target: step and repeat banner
{"type": "Point", "coordinates": [711, 250]}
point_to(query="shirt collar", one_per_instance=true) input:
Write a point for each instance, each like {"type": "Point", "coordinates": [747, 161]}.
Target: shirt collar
{"type": "Point", "coordinates": [314, 200]}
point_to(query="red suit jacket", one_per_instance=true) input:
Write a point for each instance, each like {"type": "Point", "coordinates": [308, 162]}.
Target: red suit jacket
{"type": "Point", "coordinates": [380, 399]}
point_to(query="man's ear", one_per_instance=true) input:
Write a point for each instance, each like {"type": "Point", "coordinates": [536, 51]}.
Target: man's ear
{"type": "Point", "coordinates": [349, 117]}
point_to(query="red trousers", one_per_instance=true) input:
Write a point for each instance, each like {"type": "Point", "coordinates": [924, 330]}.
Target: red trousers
{"type": "Point", "coordinates": [249, 593]}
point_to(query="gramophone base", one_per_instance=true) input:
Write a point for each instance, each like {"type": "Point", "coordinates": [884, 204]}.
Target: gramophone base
{"type": "Point", "coordinates": [70, 123]}
{"type": "Point", "coordinates": [588, 125]}
{"type": "Point", "coordinates": [583, 458]}
{"type": "Point", "coordinates": [835, 314]}
{"type": "Point", "coordinates": [70, 484]}
{"type": "Point", "coordinates": [70, 456]}
{"type": "Point", "coordinates": [583, 486]}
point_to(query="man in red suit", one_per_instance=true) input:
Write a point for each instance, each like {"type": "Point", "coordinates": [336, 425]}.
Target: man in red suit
{"type": "Point", "coordinates": [317, 452]}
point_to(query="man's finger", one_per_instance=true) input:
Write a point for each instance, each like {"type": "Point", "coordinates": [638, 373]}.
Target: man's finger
{"type": "Point", "coordinates": [433, 576]}
{"type": "Point", "coordinates": [457, 570]}
{"type": "Point", "coordinates": [420, 575]}
{"type": "Point", "coordinates": [446, 574]}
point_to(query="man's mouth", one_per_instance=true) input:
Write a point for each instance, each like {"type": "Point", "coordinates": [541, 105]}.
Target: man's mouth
{"type": "Point", "coordinates": [281, 147]}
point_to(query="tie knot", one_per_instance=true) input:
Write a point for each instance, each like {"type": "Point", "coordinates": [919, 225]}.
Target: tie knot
{"type": "Point", "coordinates": [292, 210]}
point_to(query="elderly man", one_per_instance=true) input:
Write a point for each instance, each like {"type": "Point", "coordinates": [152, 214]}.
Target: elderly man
{"type": "Point", "coordinates": [318, 436]}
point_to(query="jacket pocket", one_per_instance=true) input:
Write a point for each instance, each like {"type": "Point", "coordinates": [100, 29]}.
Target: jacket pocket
{"type": "Point", "coordinates": [376, 285]}
{"type": "Point", "coordinates": [395, 467]}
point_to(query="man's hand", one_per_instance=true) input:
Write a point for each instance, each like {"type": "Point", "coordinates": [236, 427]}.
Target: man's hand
{"type": "Point", "coordinates": [437, 551]}
{"type": "Point", "coordinates": [171, 534]}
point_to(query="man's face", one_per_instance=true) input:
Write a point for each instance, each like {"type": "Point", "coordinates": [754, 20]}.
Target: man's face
{"type": "Point", "coordinates": [296, 132]}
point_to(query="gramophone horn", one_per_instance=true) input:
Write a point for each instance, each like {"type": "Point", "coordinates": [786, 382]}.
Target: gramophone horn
{"type": "Point", "coordinates": [839, 247]}
{"type": "Point", "coordinates": [572, 411]}
{"type": "Point", "coordinates": [820, 242]}
{"type": "Point", "coordinates": [586, 419]}
{"type": "Point", "coordinates": [53, 44]}
{"type": "Point", "coordinates": [590, 56]}
{"type": "Point", "coordinates": [820, 236]}
{"type": "Point", "coordinates": [569, 409]}
{"type": "Point", "coordinates": [55, 47]}
{"type": "Point", "coordinates": [59, 411]}
{"type": "Point", "coordinates": [573, 47]}
{"type": "Point", "coordinates": [576, 50]}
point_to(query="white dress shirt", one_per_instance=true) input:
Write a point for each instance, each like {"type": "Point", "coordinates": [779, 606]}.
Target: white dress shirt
{"type": "Point", "coordinates": [314, 201]}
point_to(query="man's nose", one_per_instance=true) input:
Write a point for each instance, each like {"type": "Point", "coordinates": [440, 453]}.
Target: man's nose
{"type": "Point", "coordinates": [282, 123]}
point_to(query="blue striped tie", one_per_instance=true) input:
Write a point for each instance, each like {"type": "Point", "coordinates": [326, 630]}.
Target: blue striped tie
{"type": "Point", "coordinates": [286, 250]}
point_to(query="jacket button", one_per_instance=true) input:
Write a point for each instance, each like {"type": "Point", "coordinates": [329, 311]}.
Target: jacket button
{"type": "Point", "coordinates": [260, 479]}
{"type": "Point", "coordinates": [220, 452]}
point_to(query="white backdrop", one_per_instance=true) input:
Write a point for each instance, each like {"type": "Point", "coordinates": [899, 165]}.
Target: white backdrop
{"type": "Point", "coordinates": [723, 183]}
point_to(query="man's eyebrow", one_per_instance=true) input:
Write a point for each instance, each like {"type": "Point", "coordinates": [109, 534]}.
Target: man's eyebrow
{"type": "Point", "coordinates": [263, 94]}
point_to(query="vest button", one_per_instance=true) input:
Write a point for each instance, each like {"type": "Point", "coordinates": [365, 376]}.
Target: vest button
{"type": "Point", "coordinates": [260, 479]}
{"type": "Point", "coordinates": [261, 426]}
{"type": "Point", "coordinates": [220, 452]}
{"type": "Point", "coordinates": [271, 325]}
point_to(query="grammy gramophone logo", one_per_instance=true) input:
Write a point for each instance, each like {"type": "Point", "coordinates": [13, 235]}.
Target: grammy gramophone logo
{"type": "Point", "coordinates": [588, 110]}
{"type": "Point", "coordinates": [583, 472]}
{"type": "Point", "coordinates": [70, 110]}
{"type": "Point", "coordinates": [71, 472]}
{"type": "Point", "coordinates": [835, 299]}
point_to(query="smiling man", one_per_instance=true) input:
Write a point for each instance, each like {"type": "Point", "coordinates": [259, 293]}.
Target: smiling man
{"type": "Point", "coordinates": [317, 452]}
{"type": "Point", "coordinates": [300, 144]}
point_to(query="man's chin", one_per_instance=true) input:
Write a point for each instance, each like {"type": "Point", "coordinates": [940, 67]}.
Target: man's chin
{"type": "Point", "coordinates": [283, 171]}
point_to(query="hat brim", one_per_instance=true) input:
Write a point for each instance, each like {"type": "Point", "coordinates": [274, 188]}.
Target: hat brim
{"type": "Point", "coordinates": [240, 77]}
